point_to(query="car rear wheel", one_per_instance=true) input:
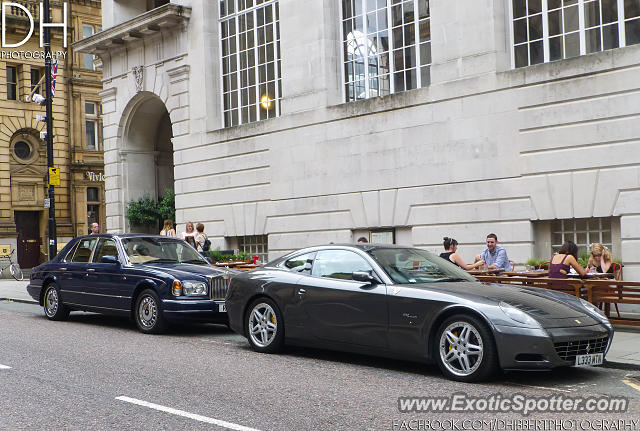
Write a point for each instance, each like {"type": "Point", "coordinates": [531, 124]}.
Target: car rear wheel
{"type": "Point", "coordinates": [148, 313]}
{"type": "Point", "coordinates": [53, 307]}
{"type": "Point", "coordinates": [465, 349]}
{"type": "Point", "coordinates": [265, 326]}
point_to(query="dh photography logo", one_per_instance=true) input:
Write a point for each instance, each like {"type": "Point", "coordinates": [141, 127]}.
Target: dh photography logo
{"type": "Point", "coordinates": [9, 10]}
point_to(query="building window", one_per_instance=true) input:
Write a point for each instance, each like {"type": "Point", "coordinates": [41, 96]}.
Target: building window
{"type": "Point", "coordinates": [12, 83]}
{"type": "Point", "coordinates": [87, 59]}
{"type": "Point", "coordinates": [386, 46]}
{"type": "Point", "coordinates": [255, 245]}
{"type": "Point", "coordinates": [91, 125]}
{"type": "Point", "coordinates": [582, 231]}
{"type": "Point", "coordinates": [36, 75]}
{"type": "Point", "coordinates": [251, 84]}
{"type": "Point", "coordinates": [22, 150]}
{"type": "Point", "coordinates": [548, 30]}
{"type": "Point", "coordinates": [152, 4]}
{"type": "Point", "coordinates": [93, 206]}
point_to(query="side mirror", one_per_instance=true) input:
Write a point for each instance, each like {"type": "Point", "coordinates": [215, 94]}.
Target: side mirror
{"type": "Point", "coordinates": [208, 259]}
{"type": "Point", "coordinates": [363, 276]}
{"type": "Point", "coordinates": [109, 259]}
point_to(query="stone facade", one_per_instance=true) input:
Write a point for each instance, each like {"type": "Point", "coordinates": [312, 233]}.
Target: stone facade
{"type": "Point", "coordinates": [485, 148]}
{"type": "Point", "coordinates": [23, 181]}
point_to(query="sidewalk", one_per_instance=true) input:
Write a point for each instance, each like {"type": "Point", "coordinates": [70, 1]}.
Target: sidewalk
{"type": "Point", "coordinates": [624, 351]}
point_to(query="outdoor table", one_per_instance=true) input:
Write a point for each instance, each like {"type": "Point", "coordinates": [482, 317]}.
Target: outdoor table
{"type": "Point", "coordinates": [485, 271]}
{"type": "Point", "coordinates": [534, 273]}
{"type": "Point", "coordinates": [591, 275]}
{"type": "Point", "coordinates": [247, 266]}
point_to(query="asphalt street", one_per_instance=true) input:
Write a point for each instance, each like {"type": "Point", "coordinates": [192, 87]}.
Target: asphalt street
{"type": "Point", "coordinates": [99, 372]}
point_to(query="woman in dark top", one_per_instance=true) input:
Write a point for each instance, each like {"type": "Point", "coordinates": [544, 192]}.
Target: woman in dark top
{"type": "Point", "coordinates": [450, 246]}
{"type": "Point", "coordinates": [600, 259]}
{"type": "Point", "coordinates": [566, 259]}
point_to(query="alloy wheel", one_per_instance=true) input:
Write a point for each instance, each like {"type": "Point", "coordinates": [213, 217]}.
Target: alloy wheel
{"type": "Point", "coordinates": [263, 325]}
{"type": "Point", "coordinates": [461, 348]}
{"type": "Point", "coordinates": [51, 302]}
{"type": "Point", "coordinates": [148, 312]}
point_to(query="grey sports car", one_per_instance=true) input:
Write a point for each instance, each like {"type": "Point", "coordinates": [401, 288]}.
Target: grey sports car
{"type": "Point", "coordinates": [409, 303]}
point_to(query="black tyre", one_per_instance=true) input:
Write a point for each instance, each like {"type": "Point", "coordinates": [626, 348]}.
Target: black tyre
{"type": "Point", "coordinates": [54, 309]}
{"type": "Point", "coordinates": [264, 326]}
{"type": "Point", "coordinates": [148, 313]}
{"type": "Point", "coordinates": [465, 349]}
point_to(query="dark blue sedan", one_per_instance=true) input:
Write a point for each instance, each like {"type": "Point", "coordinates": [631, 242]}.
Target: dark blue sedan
{"type": "Point", "coordinates": [153, 279]}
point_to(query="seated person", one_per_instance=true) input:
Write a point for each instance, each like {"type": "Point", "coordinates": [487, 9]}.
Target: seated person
{"type": "Point", "coordinates": [567, 258]}
{"type": "Point", "coordinates": [450, 247]}
{"type": "Point", "coordinates": [494, 256]}
{"type": "Point", "coordinates": [600, 259]}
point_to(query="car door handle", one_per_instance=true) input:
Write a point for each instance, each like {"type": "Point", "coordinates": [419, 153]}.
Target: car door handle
{"type": "Point", "coordinates": [91, 270]}
{"type": "Point", "coordinates": [301, 291]}
{"type": "Point", "coordinates": [63, 269]}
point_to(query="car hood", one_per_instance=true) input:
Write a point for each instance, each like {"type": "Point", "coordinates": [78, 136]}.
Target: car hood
{"type": "Point", "coordinates": [183, 271]}
{"type": "Point", "coordinates": [548, 307]}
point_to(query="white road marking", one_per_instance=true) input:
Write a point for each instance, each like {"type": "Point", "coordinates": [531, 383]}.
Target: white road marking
{"type": "Point", "coordinates": [182, 413]}
{"type": "Point", "coordinates": [4, 367]}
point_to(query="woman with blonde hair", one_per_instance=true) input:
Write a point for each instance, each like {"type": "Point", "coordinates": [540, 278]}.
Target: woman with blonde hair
{"type": "Point", "coordinates": [600, 259]}
{"type": "Point", "coordinates": [167, 229]}
{"type": "Point", "coordinates": [189, 234]}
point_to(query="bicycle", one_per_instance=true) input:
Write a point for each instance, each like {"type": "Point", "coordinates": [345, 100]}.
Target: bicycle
{"type": "Point", "coordinates": [14, 268]}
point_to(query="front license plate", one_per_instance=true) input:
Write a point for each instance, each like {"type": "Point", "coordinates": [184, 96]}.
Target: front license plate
{"type": "Point", "coordinates": [222, 308]}
{"type": "Point", "coordinates": [588, 360]}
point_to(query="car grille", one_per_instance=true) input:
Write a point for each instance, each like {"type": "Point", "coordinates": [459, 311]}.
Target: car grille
{"type": "Point", "coordinates": [218, 287]}
{"type": "Point", "coordinates": [568, 350]}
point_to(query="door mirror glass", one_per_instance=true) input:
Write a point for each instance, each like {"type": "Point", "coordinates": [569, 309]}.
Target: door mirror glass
{"type": "Point", "coordinates": [363, 276]}
{"type": "Point", "coordinates": [109, 259]}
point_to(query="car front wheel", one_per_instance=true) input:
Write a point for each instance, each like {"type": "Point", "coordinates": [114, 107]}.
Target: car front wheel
{"type": "Point", "coordinates": [148, 313]}
{"type": "Point", "coordinates": [465, 349]}
{"type": "Point", "coordinates": [53, 307]}
{"type": "Point", "coordinates": [265, 326]}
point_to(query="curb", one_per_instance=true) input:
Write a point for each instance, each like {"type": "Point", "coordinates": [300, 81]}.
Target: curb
{"type": "Point", "coordinates": [621, 366]}
{"type": "Point", "coordinates": [23, 301]}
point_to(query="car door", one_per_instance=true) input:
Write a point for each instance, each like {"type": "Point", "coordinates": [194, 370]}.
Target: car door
{"type": "Point", "coordinates": [104, 280]}
{"type": "Point", "coordinates": [339, 309]}
{"type": "Point", "coordinates": [74, 288]}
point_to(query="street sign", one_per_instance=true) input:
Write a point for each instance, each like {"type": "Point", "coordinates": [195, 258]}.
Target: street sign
{"type": "Point", "coordinates": [54, 176]}
{"type": "Point", "coordinates": [47, 203]}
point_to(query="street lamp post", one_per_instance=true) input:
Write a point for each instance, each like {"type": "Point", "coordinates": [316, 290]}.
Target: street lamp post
{"type": "Point", "coordinates": [53, 237]}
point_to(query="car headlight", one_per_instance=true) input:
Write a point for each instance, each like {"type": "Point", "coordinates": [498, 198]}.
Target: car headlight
{"type": "Point", "coordinates": [595, 311]}
{"type": "Point", "coordinates": [194, 288]}
{"type": "Point", "coordinates": [518, 315]}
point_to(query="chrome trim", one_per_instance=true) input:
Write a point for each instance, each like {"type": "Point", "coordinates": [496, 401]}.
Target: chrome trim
{"type": "Point", "coordinates": [218, 286]}
{"type": "Point", "coordinates": [95, 294]}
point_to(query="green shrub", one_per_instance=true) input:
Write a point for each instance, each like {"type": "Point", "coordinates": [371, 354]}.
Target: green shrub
{"type": "Point", "coordinates": [167, 206]}
{"type": "Point", "coordinates": [143, 211]}
{"type": "Point", "coordinates": [217, 256]}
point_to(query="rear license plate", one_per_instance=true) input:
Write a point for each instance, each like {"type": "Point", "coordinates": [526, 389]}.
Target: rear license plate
{"type": "Point", "coordinates": [588, 360]}
{"type": "Point", "coordinates": [222, 308]}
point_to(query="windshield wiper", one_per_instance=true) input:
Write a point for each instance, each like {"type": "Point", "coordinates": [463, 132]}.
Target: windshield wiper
{"type": "Point", "coordinates": [162, 261]}
{"type": "Point", "coordinates": [440, 280]}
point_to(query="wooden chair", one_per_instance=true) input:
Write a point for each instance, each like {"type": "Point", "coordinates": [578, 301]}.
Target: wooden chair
{"type": "Point", "coordinates": [513, 265]}
{"type": "Point", "coordinates": [617, 275]}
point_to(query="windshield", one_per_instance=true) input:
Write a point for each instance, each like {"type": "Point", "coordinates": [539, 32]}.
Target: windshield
{"type": "Point", "coordinates": [152, 249]}
{"type": "Point", "coordinates": [412, 265]}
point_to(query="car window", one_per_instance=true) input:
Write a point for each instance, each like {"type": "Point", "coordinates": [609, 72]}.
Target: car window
{"type": "Point", "coordinates": [163, 249]}
{"type": "Point", "coordinates": [300, 263]}
{"type": "Point", "coordinates": [83, 251]}
{"type": "Point", "coordinates": [338, 264]}
{"type": "Point", "coordinates": [105, 247]}
{"type": "Point", "coordinates": [72, 250]}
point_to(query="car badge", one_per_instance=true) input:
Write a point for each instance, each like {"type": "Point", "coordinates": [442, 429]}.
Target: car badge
{"type": "Point", "coordinates": [587, 348]}
{"type": "Point", "coordinates": [577, 321]}
{"type": "Point", "coordinates": [396, 290]}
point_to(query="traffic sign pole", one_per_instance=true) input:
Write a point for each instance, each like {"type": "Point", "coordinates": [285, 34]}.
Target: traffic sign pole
{"type": "Point", "coordinates": [53, 236]}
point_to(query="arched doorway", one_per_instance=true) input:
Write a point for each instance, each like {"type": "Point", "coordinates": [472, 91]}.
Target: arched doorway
{"type": "Point", "coordinates": [147, 152]}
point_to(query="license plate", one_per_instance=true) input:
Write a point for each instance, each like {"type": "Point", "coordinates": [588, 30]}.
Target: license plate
{"type": "Point", "coordinates": [222, 308]}
{"type": "Point", "coordinates": [588, 360]}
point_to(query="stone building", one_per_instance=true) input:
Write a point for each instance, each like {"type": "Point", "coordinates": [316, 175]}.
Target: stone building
{"type": "Point", "coordinates": [285, 123]}
{"type": "Point", "coordinates": [77, 135]}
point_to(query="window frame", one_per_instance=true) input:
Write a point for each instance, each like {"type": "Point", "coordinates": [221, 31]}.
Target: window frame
{"type": "Point", "coordinates": [391, 50]}
{"type": "Point", "coordinates": [571, 234]}
{"type": "Point", "coordinates": [319, 252]}
{"type": "Point", "coordinates": [620, 23]}
{"type": "Point", "coordinates": [233, 115]}
{"type": "Point", "coordinates": [15, 83]}
{"type": "Point", "coordinates": [95, 119]}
